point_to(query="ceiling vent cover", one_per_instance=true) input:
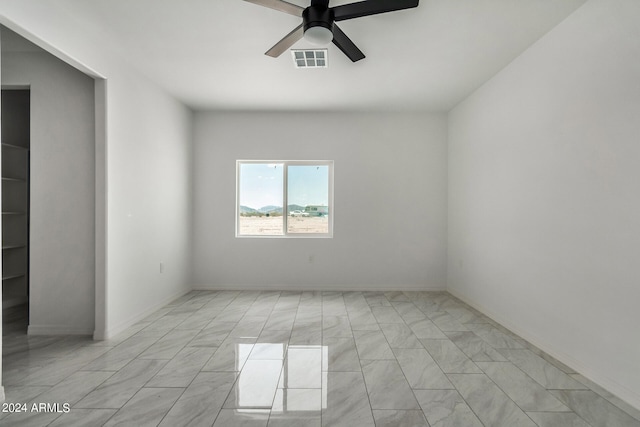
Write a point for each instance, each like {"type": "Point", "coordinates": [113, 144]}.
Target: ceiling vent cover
{"type": "Point", "coordinates": [310, 58]}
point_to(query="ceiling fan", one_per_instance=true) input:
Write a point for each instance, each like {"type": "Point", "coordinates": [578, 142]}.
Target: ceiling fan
{"type": "Point", "coordinates": [318, 22]}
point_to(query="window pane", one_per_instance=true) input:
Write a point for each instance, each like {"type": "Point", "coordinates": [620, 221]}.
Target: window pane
{"type": "Point", "coordinates": [308, 199]}
{"type": "Point", "coordinates": [260, 197]}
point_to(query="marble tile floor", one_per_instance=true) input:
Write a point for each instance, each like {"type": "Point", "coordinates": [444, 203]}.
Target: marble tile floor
{"type": "Point", "coordinates": [298, 359]}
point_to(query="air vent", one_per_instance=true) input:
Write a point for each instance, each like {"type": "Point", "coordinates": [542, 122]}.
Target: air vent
{"type": "Point", "coordinates": [310, 58]}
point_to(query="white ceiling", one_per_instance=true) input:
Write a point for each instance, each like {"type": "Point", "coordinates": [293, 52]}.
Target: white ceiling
{"type": "Point", "coordinates": [210, 53]}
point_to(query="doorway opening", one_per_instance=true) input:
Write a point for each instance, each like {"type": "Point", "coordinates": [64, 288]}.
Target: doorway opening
{"type": "Point", "coordinates": [15, 134]}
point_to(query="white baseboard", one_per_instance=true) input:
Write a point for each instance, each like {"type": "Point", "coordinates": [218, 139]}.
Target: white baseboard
{"type": "Point", "coordinates": [345, 288]}
{"type": "Point", "coordinates": [57, 330]}
{"type": "Point", "coordinates": [630, 397]}
{"type": "Point", "coordinates": [115, 330]}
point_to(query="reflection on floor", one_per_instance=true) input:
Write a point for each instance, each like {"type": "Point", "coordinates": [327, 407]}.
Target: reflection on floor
{"type": "Point", "coordinates": [302, 359]}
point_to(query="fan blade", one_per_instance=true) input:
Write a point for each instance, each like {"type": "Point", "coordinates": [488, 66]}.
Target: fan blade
{"type": "Point", "coordinates": [370, 7]}
{"type": "Point", "coordinates": [345, 44]}
{"type": "Point", "coordinates": [286, 42]}
{"type": "Point", "coordinates": [282, 6]}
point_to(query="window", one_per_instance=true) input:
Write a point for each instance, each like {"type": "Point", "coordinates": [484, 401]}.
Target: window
{"type": "Point", "coordinates": [284, 198]}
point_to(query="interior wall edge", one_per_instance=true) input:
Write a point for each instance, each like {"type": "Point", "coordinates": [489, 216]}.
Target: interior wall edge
{"type": "Point", "coordinates": [43, 44]}
{"type": "Point", "coordinates": [612, 386]}
{"type": "Point", "coordinates": [101, 205]}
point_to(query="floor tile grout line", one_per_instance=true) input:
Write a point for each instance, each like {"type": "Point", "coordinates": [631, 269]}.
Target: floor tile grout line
{"type": "Point", "coordinates": [490, 379]}
{"type": "Point", "coordinates": [237, 376]}
{"type": "Point", "coordinates": [136, 358]}
{"type": "Point", "coordinates": [454, 385]}
{"type": "Point", "coordinates": [239, 372]}
{"type": "Point", "coordinates": [244, 302]}
{"type": "Point", "coordinates": [636, 417]}
{"type": "Point", "coordinates": [403, 373]}
{"type": "Point", "coordinates": [456, 388]}
{"type": "Point", "coordinates": [395, 359]}
{"type": "Point", "coordinates": [505, 393]}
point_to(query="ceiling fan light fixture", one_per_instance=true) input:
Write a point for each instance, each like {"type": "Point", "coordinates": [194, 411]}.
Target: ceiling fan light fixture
{"type": "Point", "coordinates": [318, 22]}
{"type": "Point", "coordinates": [318, 35]}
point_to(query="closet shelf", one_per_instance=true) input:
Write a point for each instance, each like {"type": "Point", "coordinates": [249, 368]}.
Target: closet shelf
{"type": "Point", "coordinates": [12, 276]}
{"type": "Point", "coordinates": [5, 144]}
{"type": "Point", "coordinates": [15, 145]}
{"type": "Point", "coordinates": [13, 247]}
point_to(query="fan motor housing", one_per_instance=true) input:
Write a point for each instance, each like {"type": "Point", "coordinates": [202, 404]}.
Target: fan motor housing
{"type": "Point", "coordinates": [314, 16]}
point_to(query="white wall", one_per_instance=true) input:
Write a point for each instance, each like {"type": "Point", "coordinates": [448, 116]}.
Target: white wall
{"type": "Point", "coordinates": [147, 136]}
{"type": "Point", "coordinates": [62, 289]}
{"type": "Point", "coordinates": [543, 195]}
{"type": "Point", "coordinates": [149, 200]}
{"type": "Point", "coordinates": [389, 192]}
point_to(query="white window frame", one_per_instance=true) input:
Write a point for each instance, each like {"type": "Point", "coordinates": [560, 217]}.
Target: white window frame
{"type": "Point", "coordinates": [285, 234]}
